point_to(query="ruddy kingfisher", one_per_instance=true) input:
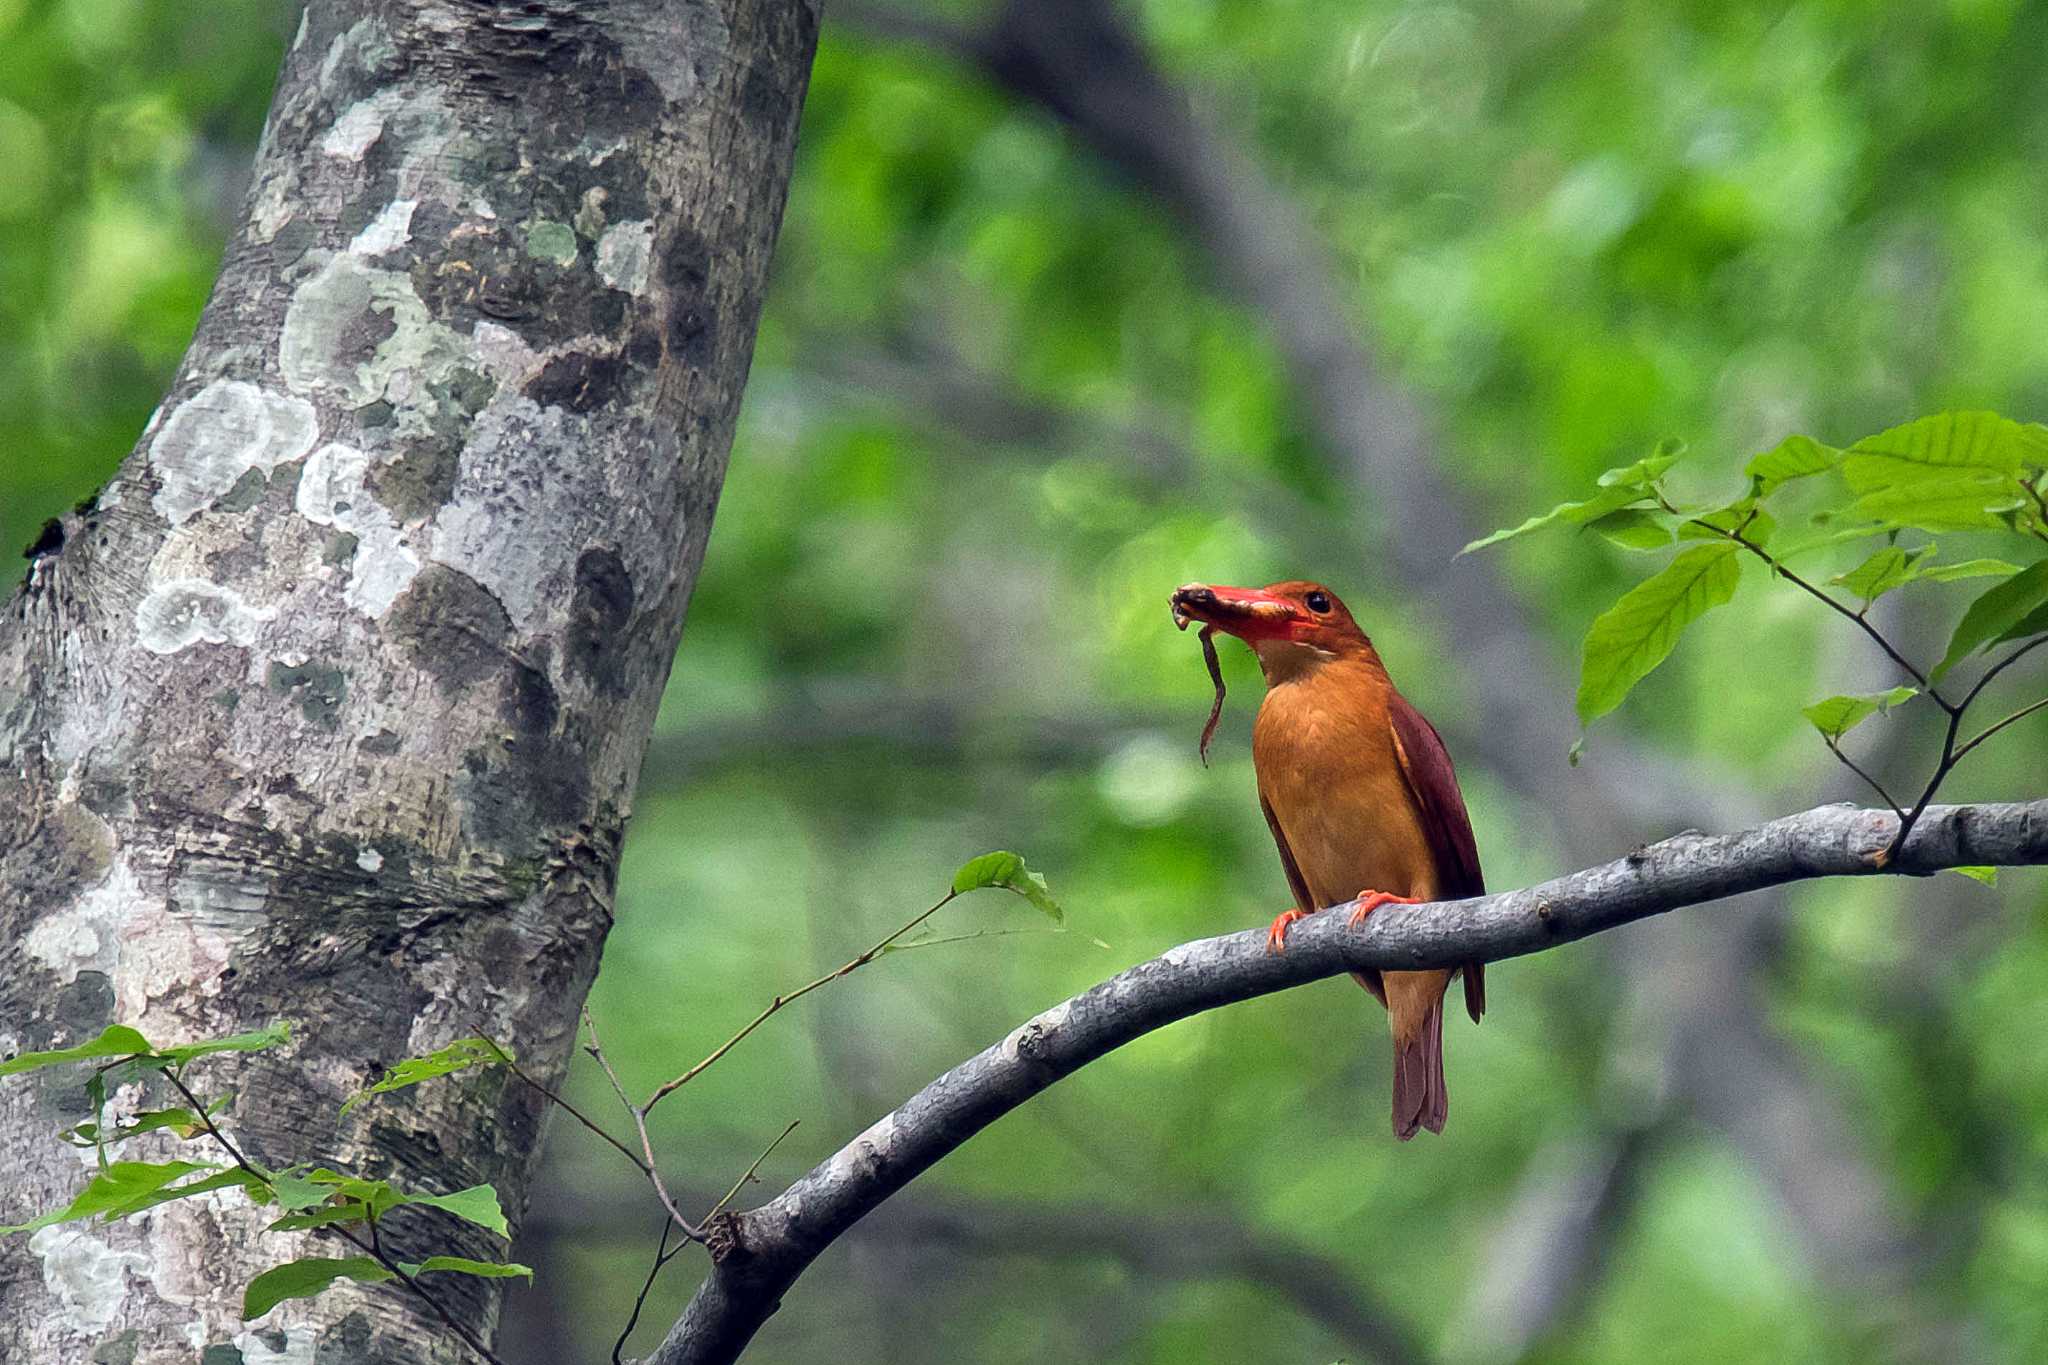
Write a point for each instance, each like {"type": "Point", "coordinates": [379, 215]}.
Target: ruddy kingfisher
{"type": "Point", "coordinates": [1361, 798]}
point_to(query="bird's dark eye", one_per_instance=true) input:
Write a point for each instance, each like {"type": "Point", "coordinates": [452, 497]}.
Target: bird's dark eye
{"type": "Point", "coordinates": [1318, 601]}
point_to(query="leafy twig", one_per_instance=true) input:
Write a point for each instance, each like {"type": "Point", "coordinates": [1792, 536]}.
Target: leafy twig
{"type": "Point", "coordinates": [639, 1112]}
{"type": "Point", "coordinates": [372, 1248]}
{"type": "Point", "coordinates": [1840, 609]}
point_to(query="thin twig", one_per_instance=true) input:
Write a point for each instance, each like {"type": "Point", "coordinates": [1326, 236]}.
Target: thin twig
{"type": "Point", "coordinates": [506, 1059]}
{"type": "Point", "coordinates": [1835, 748]}
{"type": "Point", "coordinates": [782, 1001]}
{"type": "Point", "coordinates": [979, 933]}
{"type": "Point", "coordinates": [1778, 567]}
{"type": "Point", "coordinates": [653, 1271]}
{"type": "Point", "coordinates": [1942, 768]}
{"type": "Point", "coordinates": [213, 1130]}
{"type": "Point", "coordinates": [1951, 753]}
{"type": "Point", "coordinates": [371, 1248]}
{"type": "Point", "coordinates": [375, 1251]}
{"type": "Point", "coordinates": [2007, 662]}
{"type": "Point", "coordinates": [739, 1184]}
{"type": "Point", "coordinates": [2020, 714]}
{"type": "Point", "coordinates": [639, 1113]}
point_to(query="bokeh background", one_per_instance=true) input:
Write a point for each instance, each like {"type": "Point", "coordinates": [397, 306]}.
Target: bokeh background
{"type": "Point", "coordinates": [1076, 303]}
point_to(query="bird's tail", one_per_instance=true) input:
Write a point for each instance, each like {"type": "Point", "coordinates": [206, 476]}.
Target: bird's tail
{"type": "Point", "coordinates": [1420, 1099]}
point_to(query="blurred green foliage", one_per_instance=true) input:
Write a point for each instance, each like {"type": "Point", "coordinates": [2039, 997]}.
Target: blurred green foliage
{"type": "Point", "coordinates": [999, 409]}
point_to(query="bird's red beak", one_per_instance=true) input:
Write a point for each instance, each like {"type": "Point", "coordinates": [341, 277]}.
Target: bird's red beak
{"type": "Point", "coordinates": [1247, 613]}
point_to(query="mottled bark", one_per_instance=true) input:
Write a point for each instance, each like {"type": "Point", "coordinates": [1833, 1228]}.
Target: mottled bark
{"type": "Point", "coordinates": [759, 1254]}
{"type": "Point", "coordinates": [331, 706]}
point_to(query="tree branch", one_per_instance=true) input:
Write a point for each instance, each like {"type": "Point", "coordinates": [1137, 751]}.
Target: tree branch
{"type": "Point", "coordinates": [759, 1254]}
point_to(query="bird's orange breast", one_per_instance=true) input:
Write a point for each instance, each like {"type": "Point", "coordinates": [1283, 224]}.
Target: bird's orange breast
{"type": "Point", "coordinates": [1323, 748]}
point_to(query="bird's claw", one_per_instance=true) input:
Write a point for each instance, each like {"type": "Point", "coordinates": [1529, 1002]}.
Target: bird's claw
{"type": "Point", "coordinates": [1276, 936]}
{"type": "Point", "coordinates": [1369, 901]}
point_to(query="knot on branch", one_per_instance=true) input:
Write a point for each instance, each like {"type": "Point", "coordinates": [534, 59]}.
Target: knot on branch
{"type": "Point", "coordinates": [1031, 1041]}
{"type": "Point", "coordinates": [724, 1236]}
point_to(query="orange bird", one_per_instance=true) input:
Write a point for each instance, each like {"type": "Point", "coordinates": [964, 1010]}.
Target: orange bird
{"type": "Point", "coordinates": [1361, 798]}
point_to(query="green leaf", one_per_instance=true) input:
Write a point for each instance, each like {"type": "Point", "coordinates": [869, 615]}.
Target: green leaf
{"type": "Point", "coordinates": [1839, 535]}
{"type": "Point", "coordinates": [1837, 716]}
{"type": "Point", "coordinates": [326, 1215]}
{"type": "Point", "coordinates": [232, 1178]}
{"type": "Point", "coordinates": [271, 1036]}
{"type": "Point", "coordinates": [1935, 449]}
{"type": "Point", "coordinates": [497, 1270]}
{"type": "Point", "coordinates": [295, 1192]}
{"type": "Point", "coordinates": [1633, 528]}
{"type": "Point", "coordinates": [1637, 633]}
{"type": "Point", "coordinates": [1643, 473]}
{"type": "Point", "coordinates": [1008, 871]}
{"type": "Point", "coordinates": [2002, 607]}
{"type": "Point", "coordinates": [1795, 457]}
{"type": "Point", "coordinates": [112, 1190]}
{"type": "Point", "coordinates": [1966, 501]}
{"type": "Point", "coordinates": [184, 1122]}
{"type": "Point", "coordinates": [460, 1055]}
{"type": "Point", "coordinates": [1888, 569]}
{"type": "Point", "coordinates": [1969, 568]}
{"type": "Point", "coordinates": [115, 1041]}
{"type": "Point", "coordinates": [322, 1187]}
{"type": "Point", "coordinates": [302, 1279]}
{"type": "Point", "coordinates": [1606, 501]}
{"type": "Point", "coordinates": [1952, 471]}
{"type": "Point", "coordinates": [1986, 875]}
{"type": "Point", "coordinates": [478, 1204]}
{"type": "Point", "coordinates": [2033, 623]}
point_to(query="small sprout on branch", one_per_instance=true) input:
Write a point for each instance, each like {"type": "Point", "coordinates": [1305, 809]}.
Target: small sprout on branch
{"type": "Point", "coordinates": [1008, 871]}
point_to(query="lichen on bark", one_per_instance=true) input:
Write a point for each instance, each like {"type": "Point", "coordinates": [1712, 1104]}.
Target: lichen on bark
{"type": "Point", "coordinates": [331, 705]}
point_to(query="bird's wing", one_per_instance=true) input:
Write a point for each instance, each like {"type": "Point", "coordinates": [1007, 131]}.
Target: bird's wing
{"type": "Point", "coordinates": [1426, 765]}
{"type": "Point", "coordinates": [1303, 900]}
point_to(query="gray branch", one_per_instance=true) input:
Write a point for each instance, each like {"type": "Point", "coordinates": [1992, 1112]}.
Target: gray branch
{"type": "Point", "coordinates": [759, 1254]}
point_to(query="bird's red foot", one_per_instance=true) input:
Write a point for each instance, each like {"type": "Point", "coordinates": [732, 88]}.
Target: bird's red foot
{"type": "Point", "coordinates": [1369, 901]}
{"type": "Point", "coordinates": [1276, 937]}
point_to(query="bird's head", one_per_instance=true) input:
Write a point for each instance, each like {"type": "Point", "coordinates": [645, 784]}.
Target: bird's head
{"type": "Point", "coordinates": [1290, 625]}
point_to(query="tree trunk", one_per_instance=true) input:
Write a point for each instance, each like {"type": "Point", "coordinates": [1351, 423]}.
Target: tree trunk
{"type": "Point", "coordinates": [331, 706]}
